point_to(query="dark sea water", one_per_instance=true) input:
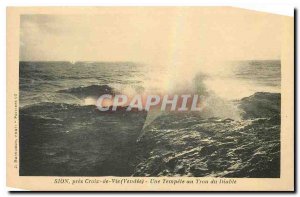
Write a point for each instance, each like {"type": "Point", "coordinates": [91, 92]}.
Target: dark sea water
{"type": "Point", "coordinates": [63, 134]}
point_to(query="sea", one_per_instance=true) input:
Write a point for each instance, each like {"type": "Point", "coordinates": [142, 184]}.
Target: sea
{"type": "Point", "coordinates": [62, 133]}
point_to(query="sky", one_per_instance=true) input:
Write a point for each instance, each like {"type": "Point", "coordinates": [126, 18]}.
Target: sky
{"type": "Point", "coordinates": [182, 35]}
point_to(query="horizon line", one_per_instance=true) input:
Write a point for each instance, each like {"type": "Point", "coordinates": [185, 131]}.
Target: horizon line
{"type": "Point", "coordinates": [106, 61]}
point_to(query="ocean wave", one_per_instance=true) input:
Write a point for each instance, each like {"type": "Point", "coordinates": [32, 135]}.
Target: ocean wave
{"type": "Point", "coordinates": [29, 98]}
{"type": "Point", "coordinates": [61, 139]}
{"type": "Point", "coordinates": [174, 144]}
{"type": "Point", "coordinates": [48, 109]}
{"type": "Point", "coordinates": [186, 144]}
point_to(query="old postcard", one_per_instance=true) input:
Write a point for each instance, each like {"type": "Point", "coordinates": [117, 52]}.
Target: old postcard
{"type": "Point", "coordinates": [149, 99]}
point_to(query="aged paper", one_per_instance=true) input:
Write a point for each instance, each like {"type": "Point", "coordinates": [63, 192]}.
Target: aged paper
{"type": "Point", "coordinates": [149, 99]}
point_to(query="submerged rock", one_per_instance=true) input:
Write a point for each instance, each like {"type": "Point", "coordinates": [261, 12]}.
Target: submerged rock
{"type": "Point", "coordinates": [261, 104]}
{"type": "Point", "coordinates": [89, 91]}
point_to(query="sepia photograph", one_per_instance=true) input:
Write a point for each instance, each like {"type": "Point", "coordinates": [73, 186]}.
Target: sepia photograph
{"type": "Point", "coordinates": [153, 92]}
